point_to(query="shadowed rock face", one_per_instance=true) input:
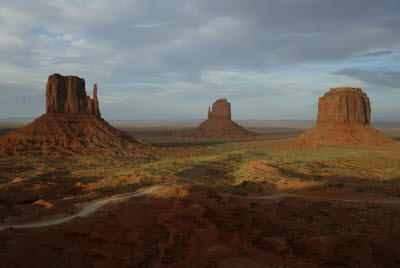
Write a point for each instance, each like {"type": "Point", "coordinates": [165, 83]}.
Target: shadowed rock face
{"type": "Point", "coordinates": [67, 94]}
{"type": "Point", "coordinates": [344, 105]}
{"type": "Point", "coordinates": [72, 125]}
{"type": "Point", "coordinates": [95, 101]}
{"type": "Point", "coordinates": [344, 119]}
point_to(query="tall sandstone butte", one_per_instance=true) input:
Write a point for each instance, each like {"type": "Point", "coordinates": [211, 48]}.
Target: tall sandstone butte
{"type": "Point", "coordinates": [344, 115]}
{"type": "Point", "coordinates": [67, 94]}
{"type": "Point", "coordinates": [72, 125]}
{"type": "Point", "coordinates": [218, 125]}
{"type": "Point", "coordinates": [221, 109]}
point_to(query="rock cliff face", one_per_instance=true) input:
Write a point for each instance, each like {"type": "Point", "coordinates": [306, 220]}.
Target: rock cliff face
{"type": "Point", "coordinates": [344, 105]}
{"type": "Point", "coordinates": [220, 109]}
{"type": "Point", "coordinates": [72, 125]}
{"type": "Point", "coordinates": [67, 94]}
{"type": "Point", "coordinates": [218, 125]}
{"type": "Point", "coordinates": [344, 115]}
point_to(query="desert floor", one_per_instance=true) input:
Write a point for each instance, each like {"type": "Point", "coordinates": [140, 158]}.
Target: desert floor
{"type": "Point", "coordinates": [219, 203]}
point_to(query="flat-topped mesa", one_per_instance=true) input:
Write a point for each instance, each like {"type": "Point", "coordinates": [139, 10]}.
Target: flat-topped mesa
{"type": "Point", "coordinates": [220, 109]}
{"type": "Point", "coordinates": [344, 105]}
{"type": "Point", "coordinates": [67, 94]}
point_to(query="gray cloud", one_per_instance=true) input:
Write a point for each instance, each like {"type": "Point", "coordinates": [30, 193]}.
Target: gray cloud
{"type": "Point", "coordinates": [158, 50]}
{"type": "Point", "coordinates": [377, 53]}
{"type": "Point", "coordinates": [389, 79]}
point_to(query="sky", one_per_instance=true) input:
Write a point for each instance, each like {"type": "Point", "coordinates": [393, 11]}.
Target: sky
{"type": "Point", "coordinates": [170, 59]}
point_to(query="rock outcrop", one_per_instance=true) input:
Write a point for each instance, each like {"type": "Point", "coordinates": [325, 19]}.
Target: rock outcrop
{"type": "Point", "coordinates": [218, 125]}
{"type": "Point", "coordinates": [344, 115]}
{"type": "Point", "coordinates": [72, 125]}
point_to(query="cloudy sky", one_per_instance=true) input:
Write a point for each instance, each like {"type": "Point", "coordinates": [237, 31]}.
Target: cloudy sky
{"type": "Point", "coordinates": [171, 59]}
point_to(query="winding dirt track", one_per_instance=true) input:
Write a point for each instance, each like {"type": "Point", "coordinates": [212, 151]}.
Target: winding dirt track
{"type": "Point", "coordinates": [87, 209]}
{"type": "Point", "coordinates": [92, 207]}
{"type": "Point", "coordinates": [379, 201]}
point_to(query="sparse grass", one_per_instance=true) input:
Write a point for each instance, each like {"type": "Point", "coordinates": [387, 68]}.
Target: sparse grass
{"type": "Point", "coordinates": [224, 163]}
{"type": "Point", "coordinates": [325, 162]}
{"type": "Point", "coordinates": [130, 126]}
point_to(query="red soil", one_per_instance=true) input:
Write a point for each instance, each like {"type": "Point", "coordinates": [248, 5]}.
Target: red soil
{"type": "Point", "coordinates": [68, 134]}
{"type": "Point", "coordinates": [197, 227]}
{"type": "Point", "coordinates": [345, 135]}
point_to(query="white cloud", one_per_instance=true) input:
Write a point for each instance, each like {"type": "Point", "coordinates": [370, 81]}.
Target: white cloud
{"type": "Point", "coordinates": [199, 50]}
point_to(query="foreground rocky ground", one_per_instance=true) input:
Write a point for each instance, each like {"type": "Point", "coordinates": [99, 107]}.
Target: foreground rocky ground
{"type": "Point", "coordinates": [194, 226]}
{"type": "Point", "coordinates": [222, 212]}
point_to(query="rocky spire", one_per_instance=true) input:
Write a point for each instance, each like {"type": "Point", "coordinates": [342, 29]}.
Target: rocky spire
{"type": "Point", "coordinates": [95, 100]}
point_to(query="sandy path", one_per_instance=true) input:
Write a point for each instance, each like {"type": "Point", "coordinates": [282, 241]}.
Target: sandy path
{"type": "Point", "coordinates": [91, 207]}
{"type": "Point", "coordinates": [279, 195]}
{"type": "Point", "coordinates": [86, 210]}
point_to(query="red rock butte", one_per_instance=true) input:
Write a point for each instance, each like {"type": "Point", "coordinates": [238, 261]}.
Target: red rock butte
{"type": "Point", "coordinates": [218, 125]}
{"type": "Point", "coordinates": [344, 115]}
{"type": "Point", "coordinates": [71, 125]}
{"type": "Point", "coordinates": [67, 94]}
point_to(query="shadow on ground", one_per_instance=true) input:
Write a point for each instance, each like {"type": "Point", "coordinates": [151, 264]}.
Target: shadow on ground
{"type": "Point", "coordinates": [209, 173]}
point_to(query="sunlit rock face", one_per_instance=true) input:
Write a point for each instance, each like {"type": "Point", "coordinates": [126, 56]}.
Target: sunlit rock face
{"type": "Point", "coordinates": [344, 115]}
{"type": "Point", "coordinates": [344, 105]}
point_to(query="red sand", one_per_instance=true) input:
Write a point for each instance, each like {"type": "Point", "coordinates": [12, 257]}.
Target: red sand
{"type": "Point", "coordinates": [197, 227]}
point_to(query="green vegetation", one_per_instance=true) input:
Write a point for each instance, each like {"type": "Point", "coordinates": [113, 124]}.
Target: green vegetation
{"type": "Point", "coordinates": [257, 165]}
{"type": "Point", "coordinates": [225, 162]}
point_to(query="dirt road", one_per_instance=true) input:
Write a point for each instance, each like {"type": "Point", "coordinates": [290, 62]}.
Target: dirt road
{"type": "Point", "coordinates": [91, 207]}
{"type": "Point", "coordinates": [86, 209]}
